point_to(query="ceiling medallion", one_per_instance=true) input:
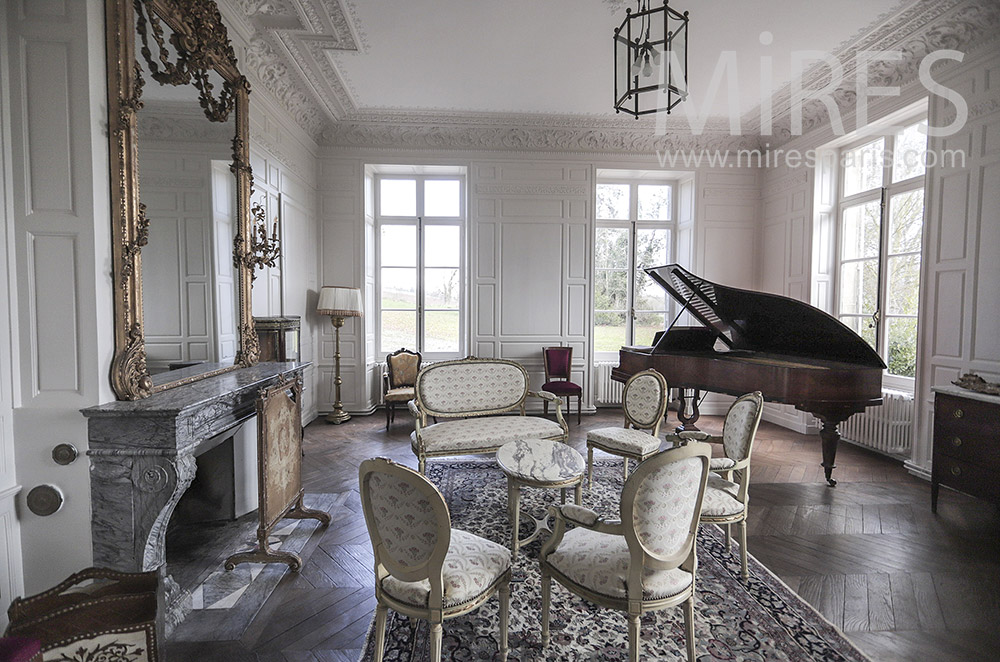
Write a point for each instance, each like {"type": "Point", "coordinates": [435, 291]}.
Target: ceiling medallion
{"type": "Point", "coordinates": [650, 60]}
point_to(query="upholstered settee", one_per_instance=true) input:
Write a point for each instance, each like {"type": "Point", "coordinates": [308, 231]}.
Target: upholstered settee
{"type": "Point", "coordinates": [479, 406]}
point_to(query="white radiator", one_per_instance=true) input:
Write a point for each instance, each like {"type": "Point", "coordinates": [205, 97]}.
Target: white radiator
{"type": "Point", "coordinates": [607, 391]}
{"type": "Point", "coordinates": [888, 429]}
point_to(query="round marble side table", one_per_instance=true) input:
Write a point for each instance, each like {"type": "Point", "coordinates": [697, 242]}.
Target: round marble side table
{"type": "Point", "coordinates": [538, 463]}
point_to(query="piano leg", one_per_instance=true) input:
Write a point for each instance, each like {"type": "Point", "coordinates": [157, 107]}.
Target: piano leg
{"type": "Point", "coordinates": [688, 422]}
{"type": "Point", "coordinates": [829, 434]}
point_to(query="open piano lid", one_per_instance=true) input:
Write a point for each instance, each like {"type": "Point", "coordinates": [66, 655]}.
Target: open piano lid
{"type": "Point", "coordinates": [767, 323]}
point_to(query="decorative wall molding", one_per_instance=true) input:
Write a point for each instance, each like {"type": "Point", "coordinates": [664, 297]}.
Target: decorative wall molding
{"type": "Point", "coordinates": [787, 182]}
{"type": "Point", "coordinates": [735, 194]}
{"type": "Point", "coordinates": [531, 189]}
{"type": "Point", "coordinates": [561, 133]}
{"type": "Point", "coordinates": [265, 67]}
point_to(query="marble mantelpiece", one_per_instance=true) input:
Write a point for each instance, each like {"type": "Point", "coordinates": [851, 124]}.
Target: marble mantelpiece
{"type": "Point", "coordinates": [142, 458]}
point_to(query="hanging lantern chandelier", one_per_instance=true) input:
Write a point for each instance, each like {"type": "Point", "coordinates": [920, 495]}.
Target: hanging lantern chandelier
{"type": "Point", "coordinates": [650, 60]}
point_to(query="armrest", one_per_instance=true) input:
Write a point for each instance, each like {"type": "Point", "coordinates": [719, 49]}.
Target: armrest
{"type": "Point", "coordinates": [414, 409]}
{"type": "Point", "coordinates": [385, 383]}
{"type": "Point", "coordinates": [545, 395]}
{"type": "Point", "coordinates": [693, 435]}
{"type": "Point", "coordinates": [587, 518]}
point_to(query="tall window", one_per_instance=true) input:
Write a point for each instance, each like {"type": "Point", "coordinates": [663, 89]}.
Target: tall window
{"type": "Point", "coordinates": [634, 230]}
{"type": "Point", "coordinates": [421, 224]}
{"type": "Point", "coordinates": [881, 223]}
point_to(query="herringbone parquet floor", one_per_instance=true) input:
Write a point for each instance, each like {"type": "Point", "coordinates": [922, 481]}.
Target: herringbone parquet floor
{"type": "Point", "coordinates": [902, 583]}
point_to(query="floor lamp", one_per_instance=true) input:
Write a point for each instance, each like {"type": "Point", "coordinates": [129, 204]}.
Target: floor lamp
{"type": "Point", "coordinates": [338, 303]}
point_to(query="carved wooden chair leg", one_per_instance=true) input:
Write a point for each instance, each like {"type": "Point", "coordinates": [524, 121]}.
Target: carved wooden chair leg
{"type": "Point", "coordinates": [380, 614]}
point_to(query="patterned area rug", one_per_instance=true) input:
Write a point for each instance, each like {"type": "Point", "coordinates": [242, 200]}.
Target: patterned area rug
{"type": "Point", "coordinates": [762, 620]}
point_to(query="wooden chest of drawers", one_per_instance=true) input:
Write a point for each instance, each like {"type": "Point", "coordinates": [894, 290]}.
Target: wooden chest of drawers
{"type": "Point", "coordinates": [966, 444]}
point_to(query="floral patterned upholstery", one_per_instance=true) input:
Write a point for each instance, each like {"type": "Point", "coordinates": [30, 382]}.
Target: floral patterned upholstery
{"type": "Point", "coordinates": [599, 562]}
{"type": "Point", "coordinates": [664, 506]}
{"type": "Point", "coordinates": [721, 463]}
{"type": "Point", "coordinates": [634, 442]}
{"type": "Point", "coordinates": [741, 426]}
{"type": "Point", "coordinates": [404, 518]}
{"type": "Point", "coordinates": [401, 394]}
{"type": "Point", "coordinates": [642, 399]}
{"type": "Point", "coordinates": [484, 435]}
{"type": "Point", "coordinates": [472, 566]}
{"type": "Point", "coordinates": [403, 368]}
{"type": "Point", "coordinates": [471, 387]}
{"type": "Point", "coordinates": [721, 498]}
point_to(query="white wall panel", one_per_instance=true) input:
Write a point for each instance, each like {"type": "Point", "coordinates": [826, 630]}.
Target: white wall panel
{"type": "Point", "coordinates": [52, 285]}
{"type": "Point", "coordinates": [529, 271]}
{"type": "Point", "coordinates": [953, 201]}
{"type": "Point", "coordinates": [986, 329]}
{"type": "Point", "coordinates": [48, 164]}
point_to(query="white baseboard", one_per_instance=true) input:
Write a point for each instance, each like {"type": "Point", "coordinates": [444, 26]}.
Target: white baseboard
{"type": "Point", "coordinates": [917, 470]}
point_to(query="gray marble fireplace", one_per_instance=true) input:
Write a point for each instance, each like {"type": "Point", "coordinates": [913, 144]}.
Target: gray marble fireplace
{"type": "Point", "coordinates": [142, 458]}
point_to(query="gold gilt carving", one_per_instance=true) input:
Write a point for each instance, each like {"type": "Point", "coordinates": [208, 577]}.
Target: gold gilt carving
{"type": "Point", "coordinates": [197, 44]}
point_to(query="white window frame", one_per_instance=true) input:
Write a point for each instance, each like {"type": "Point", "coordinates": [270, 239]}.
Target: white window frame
{"type": "Point", "coordinates": [633, 225]}
{"type": "Point", "coordinates": [882, 194]}
{"type": "Point", "coordinates": [421, 222]}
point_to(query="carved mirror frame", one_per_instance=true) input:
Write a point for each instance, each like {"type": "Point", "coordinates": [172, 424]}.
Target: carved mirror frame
{"type": "Point", "coordinates": [199, 43]}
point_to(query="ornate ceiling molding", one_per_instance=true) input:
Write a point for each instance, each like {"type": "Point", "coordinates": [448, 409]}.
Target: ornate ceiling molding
{"type": "Point", "coordinates": [560, 133]}
{"type": "Point", "coordinates": [916, 31]}
{"type": "Point", "coordinates": [291, 40]}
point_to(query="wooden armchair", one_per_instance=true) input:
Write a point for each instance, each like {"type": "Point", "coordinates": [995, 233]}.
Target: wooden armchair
{"type": "Point", "coordinates": [398, 380]}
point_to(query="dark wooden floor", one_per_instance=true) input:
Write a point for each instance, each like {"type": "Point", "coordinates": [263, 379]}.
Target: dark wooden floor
{"type": "Point", "coordinates": [902, 583]}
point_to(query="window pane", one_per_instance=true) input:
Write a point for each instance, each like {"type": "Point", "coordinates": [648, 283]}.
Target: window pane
{"type": "Point", "coordinates": [903, 284]}
{"type": "Point", "coordinates": [861, 326]}
{"type": "Point", "coordinates": [612, 248]}
{"type": "Point", "coordinates": [442, 246]}
{"type": "Point", "coordinates": [860, 231]}
{"type": "Point", "coordinates": [858, 287]}
{"type": "Point", "coordinates": [442, 197]}
{"type": "Point", "coordinates": [609, 332]}
{"type": "Point", "coordinates": [610, 290]}
{"type": "Point", "coordinates": [654, 202]}
{"type": "Point", "coordinates": [863, 167]}
{"type": "Point", "coordinates": [612, 201]}
{"type": "Point", "coordinates": [399, 246]}
{"type": "Point", "coordinates": [648, 294]}
{"type": "Point", "coordinates": [902, 355]}
{"type": "Point", "coordinates": [652, 247]}
{"type": "Point", "coordinates": [399, 288]}
{"type": "Point", "coordinates": [906, 221]}
{"type": "Point", "coordinates": [441, 331]}
{"type": "Point", "coordinates": [399, 329]}
{"type": "Point", "coordinates": [646, 325]}
{"type": "Point", "coordinates": [398, 197]}
{"type": "Point", "coordinates": [441, 287]}
{"type": "Point", "coordinates": [909, 153]}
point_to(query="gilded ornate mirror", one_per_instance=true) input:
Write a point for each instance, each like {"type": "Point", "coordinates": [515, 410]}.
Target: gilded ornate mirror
{"type": "Point", "coordinates": [184, 246]}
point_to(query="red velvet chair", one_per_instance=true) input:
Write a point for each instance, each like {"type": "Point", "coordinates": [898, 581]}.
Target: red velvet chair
{"type": "Point", "coordinates": [558, 363]}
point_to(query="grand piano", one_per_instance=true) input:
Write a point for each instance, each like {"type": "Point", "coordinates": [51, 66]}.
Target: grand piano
{"type": "Point", "coordinates": [788, 350]}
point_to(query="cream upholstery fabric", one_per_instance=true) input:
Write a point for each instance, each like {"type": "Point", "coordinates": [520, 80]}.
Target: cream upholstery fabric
{"type": "Point", "coordinates": [482, 434]}
{"type": "Point", "coordinates": [739, 429]}
{"type": "Point", "coordinates": [623, 439]}
{"type": "Point", "coordinates": [720, 498]}
{"type": "Point", "coordinates": [404, 518]}
{"type": "Point", "coordinates": [476, 386]}
{"type": "Point", "coordinates": [721, 463]}
{"type": "Point", "coordinates": [642, 400]}
{"type": "Point", "coordinates": [600, 561]}
{"type": "Point", "coordinates": [472, 565]}
{"type": "Point", "coordinates": [401, 394]}
{"type": "Point", "coordinates": [405, 367]}
{"type": "Point", "coordinates": [664, 506]}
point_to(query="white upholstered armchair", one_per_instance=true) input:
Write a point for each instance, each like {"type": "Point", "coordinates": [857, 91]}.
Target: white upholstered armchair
{"type": "Point", "coordinates": [644, 401]}
{"type": "Point", "coordinates": [644, 562]}
{"type": "Point", "coordinates": [727, 497]}
{"type": "Point", "coordinates": [423, 567]}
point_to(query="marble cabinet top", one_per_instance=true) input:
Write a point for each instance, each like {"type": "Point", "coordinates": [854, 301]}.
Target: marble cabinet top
{"type": "Point", "coordinates": [196, 395]}
{"type": "Point", "coordinates": [540, 461]}
{"type": "Point", "coordinates": [960, 392]}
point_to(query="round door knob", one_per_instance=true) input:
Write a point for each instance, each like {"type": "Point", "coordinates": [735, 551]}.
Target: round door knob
{"type": "Point", "coordinates": [44, 500]}
{"type": "Point", "coordinates": [956, 471]}
{"type": "Point", "coordinates": [65, 454]}
{"type": "Point", "coordinates": [956, 441]}
{"type": "Point", "coordinates": [958, 413]}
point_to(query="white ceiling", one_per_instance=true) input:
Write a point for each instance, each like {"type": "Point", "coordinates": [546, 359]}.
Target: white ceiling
{"type": "Point", "coordinates": [555, 56]}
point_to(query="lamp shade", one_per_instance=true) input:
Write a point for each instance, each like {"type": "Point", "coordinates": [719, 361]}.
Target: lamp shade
{"type": "Point", "coordinates": [339, 301]}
